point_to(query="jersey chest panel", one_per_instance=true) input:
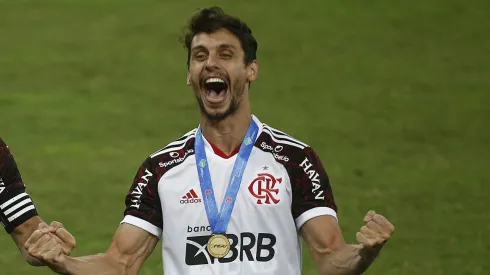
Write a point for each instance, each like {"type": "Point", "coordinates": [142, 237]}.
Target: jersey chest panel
{"type": "Point", "coordinates": [265, 194]}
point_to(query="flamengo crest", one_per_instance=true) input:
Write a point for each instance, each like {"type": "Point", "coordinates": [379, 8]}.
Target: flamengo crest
{"type": "Point", "coordinates": [263, 188]}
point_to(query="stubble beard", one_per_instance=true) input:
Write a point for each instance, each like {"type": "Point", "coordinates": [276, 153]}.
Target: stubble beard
{"type": "Point", "coordinates": [236, 90]}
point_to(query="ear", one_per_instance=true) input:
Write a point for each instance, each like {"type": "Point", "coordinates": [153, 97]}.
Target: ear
{"type": "Point", "coordinates": [252, 71]}
{"type": "Point", "coordinates": [188, 79]}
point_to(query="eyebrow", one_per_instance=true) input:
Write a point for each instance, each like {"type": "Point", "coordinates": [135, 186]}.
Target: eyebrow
{"type": "Point", "coordinates": [226, 46]}
{"type": "Point", "coordinates": [221, 46]}
{"type": "Point", "coordinates": [198, 47]}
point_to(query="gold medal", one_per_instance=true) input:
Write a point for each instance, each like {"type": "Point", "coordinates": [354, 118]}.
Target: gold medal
{"type": "Point", "coordinates": [218, 245]}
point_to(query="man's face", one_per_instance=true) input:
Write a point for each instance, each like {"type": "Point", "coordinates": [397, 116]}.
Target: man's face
{"type": "Point", "coordinates": [218, 73]}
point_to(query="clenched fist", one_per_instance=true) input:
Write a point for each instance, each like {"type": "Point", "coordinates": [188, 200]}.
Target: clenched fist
{"type": "Point", "coordinates": [50, 243]}
{"type": "Point", "coordinates": [375, 232]}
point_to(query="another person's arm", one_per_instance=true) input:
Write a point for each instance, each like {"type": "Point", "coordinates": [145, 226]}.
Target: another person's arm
{"type": "Point", "coordinates": [21, 234]}
{"type": "Point", "coordinates": [18, 214]}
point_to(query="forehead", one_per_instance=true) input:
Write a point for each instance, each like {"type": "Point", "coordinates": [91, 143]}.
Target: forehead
{"type": "Point", "coordinates": [215, 39]}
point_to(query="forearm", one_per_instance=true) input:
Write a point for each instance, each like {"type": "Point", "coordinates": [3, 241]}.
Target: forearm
{"type": "Point", "coordinates": [348, 260]}
{"type": "Point", "coordinates": [22, 233]}
{"type": "Point", "coordinates": [100, 264]}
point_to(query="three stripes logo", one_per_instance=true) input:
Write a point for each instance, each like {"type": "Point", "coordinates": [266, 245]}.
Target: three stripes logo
{"type": "Point", "coordinates": [16, 207]}
{"type": "Point", "coordinates": [190, 197]}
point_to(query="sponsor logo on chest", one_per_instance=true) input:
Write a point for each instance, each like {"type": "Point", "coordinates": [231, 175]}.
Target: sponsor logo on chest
{"type": "Point", "coordinates": [275, 150]}
{"type": "Point", "coordinates": [245, 246]}
{"type": "Point", "coordinates": [176, 158]}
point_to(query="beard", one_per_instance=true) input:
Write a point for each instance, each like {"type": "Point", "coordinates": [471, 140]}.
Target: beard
{"type": "Point", "coordinates": [237, 90]}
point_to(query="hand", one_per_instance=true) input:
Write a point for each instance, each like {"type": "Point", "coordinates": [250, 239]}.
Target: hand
{"type": "Point", "coordinates": [375, 233]}
{"type": "Point", "coordinates": [51, 244]}
{"type": "Point", "coordinates": [64, 237]}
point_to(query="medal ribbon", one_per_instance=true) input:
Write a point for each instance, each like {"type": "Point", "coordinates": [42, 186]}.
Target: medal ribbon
{"type": "Point", "coordinates": [219, 221]}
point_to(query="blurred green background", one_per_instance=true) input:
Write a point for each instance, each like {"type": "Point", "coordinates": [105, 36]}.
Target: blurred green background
{"type": "Point", "coordinates": [394, 96]}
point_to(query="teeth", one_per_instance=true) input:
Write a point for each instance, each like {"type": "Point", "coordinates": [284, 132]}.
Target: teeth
{"type": "Point", "coordinates": [215, 79]}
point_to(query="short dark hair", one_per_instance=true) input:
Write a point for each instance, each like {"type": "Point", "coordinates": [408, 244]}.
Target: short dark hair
{"type": "Point", "coordinates": [212, 19]}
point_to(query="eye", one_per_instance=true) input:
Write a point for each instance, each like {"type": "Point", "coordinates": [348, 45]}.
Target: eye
{"type": "Point", "coordinates": [200, 56]}
{"type": "Point", "coordinates": [226, 55]}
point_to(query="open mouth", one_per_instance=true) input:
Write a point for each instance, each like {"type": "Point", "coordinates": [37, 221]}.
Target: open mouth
{"type": "Point", "coordinates": [215, 89]}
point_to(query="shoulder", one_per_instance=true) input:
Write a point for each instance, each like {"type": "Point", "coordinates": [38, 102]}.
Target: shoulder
{"type": "Point", "coordinates": [285, 148]}
{"type": "Point", "coordinates": [9, 172]}
{"type": "Point", "coordinates": [4, 150]}
{"type": "Point", "coordinates": [281, 138]}
{"type": "Point", "coordinates": [176, 145]}
{"type": "Point", "coordinates": [172, 154]}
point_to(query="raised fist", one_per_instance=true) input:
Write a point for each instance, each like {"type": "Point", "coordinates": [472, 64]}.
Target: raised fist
{"type": "Point", "coordinates": [375, 232]}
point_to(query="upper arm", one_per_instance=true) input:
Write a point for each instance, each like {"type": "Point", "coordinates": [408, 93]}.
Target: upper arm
{"type": "Point", "coordinates": [142, 225]}
{"type": "Point", "coordinates": [131, 246]}
{"type": "Point", "coordinates": [143, 207]}
{"type": "Point", "coordinates": [313, 205]}
{"type": "Point", "coordinates": [18, 214]}
{"type": "Point", "coordinates": [312, 195]}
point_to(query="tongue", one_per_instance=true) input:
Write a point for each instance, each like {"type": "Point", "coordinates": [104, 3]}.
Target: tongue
{"type": "Point", "coordinates": [214, 96]}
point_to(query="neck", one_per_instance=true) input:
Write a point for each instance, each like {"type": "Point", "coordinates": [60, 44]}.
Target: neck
{"type": "Point", "coordinates": [228, 133]}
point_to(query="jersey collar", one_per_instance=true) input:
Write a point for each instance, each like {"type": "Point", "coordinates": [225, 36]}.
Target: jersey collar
{"type": "Point", "coordinates": [217, 151]}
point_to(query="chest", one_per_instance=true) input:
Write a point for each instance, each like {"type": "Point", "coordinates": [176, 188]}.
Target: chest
{"type": "Point", "coordinates": [265, 191]}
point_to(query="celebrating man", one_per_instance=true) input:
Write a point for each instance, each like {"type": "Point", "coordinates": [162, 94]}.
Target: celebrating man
{"type": "Point", "coordinates": [18, 214]}
{"type": "Point", "coordinates": [234, 195]}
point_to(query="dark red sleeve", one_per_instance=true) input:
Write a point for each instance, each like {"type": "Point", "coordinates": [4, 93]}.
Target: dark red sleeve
{"type": "Point", "coordinates": [142, 200]}
{"type": "Point", "coordinates": [310, 183]}
{"type": "Point", "coordinates": [16, 206]}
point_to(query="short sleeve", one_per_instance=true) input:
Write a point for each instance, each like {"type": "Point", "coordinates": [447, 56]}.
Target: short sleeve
{"type": "Point", "coordinates": [143, 207]}
{"type": "Point", "coordinates": [312, 193]}
{"type": "Point", "coordinates": [16, 206]}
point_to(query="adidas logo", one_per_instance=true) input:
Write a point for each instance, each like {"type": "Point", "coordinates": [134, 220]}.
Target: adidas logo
{"type": "Point", "coordinates": [190, 197]}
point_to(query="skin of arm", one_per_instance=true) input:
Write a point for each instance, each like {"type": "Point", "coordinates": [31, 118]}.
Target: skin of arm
{"type": "Point", "coordinates": [333, 256]}
{"type": "Point", "coordinates": [13, 199]}
{"type": "Point", "coordinates": [56, 232]}
{"type": "Point", "coordinates": [129, 249]}
{"type": "Point", "coordinates": [22, 233]}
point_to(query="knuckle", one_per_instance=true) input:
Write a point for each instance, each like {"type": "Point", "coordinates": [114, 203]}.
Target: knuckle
{"type": "Point", "coordinates": [33, 250]}
{"type": "Point", "coordinates": [35, 254]}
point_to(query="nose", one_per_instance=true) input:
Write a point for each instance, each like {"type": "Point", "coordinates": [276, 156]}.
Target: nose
{"type": "Point", "coordinates": [212, 63]}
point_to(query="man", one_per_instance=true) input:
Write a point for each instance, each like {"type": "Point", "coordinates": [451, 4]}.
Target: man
{"type": "Point", "coordinates": [18, 214]}
{"type": "Point", "coordinates": [234, 195]}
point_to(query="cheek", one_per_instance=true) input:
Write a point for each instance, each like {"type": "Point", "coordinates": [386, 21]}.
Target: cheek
{"type": "Point", "coordinates": [193, 77]}
{"type": "Point", "coordinates": [238, 75]}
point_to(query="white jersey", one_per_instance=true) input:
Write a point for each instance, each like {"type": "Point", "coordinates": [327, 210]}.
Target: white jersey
{"type": "Point", "coordinates": [283, 186]}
